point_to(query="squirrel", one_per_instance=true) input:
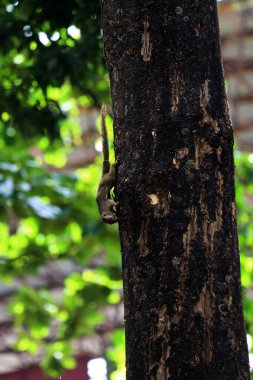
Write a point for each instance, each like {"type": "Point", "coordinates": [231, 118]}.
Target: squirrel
{"type": "Point", "coordinates": [106, 204]}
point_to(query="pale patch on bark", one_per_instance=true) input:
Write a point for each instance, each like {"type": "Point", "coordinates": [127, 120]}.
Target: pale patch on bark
{"type": "Point", "coordinates": [154, 200]}
{"type": "Point", "coordinates": [233, 207]}
{"type": "Point", "coordinates": [204, 95]}
{"type": "Point", "coordinates": [162, 330]}
{"type": "Point", "coordinates": [154, 148]}
{"type": "Point", "coordinates": [189, 235]}
{"type": "Point", "coordinates": [143, 238]}
{"type": "Point", "coordinates": [229, 301]}
{"type": "Point", "coordinates": [161, 203]}
{"type": "Point", "coordinates": [146, 44]}
{"type": "Point", "coordinates": [203, 303]}
{"type": "Point", "coordinates": [169, 196]}
{"type": "Point", "coordinates": [138, 288]}
{"type": "Point", "coordinates": [204, 307]}
{"type": "Point", "coordinates": [175, 89]}
{"type": "Point", "coordinates": [162, 372]}
{"type": "Point", "coordinates": [210, 228]}
{"type": "Point", "coordinates": [219, 152]}
{"type": "Point", "coordinates": [197, 154]}
{"type": "Point", "coordinates": [206, 148]}
{"type": "Point", "coordinates": [126, 237]}
{"type": "Point", "coordinates": [207, 119]}
{"type": "Point", "coordinates": [204, 176]}
{"type": "Point", "coordinates": [180, 154]}
{"type": "Point", "coordinates": [163, 324]}
{"type": "Point", "coordinates": [204, 99]}
{"type": "Point", "coordinates": [202, 148]}
{"type": "Point", "coordinates": [232, 336]}
{"type": "Point", "coordinates": [217, 224]}
{"type": "Point", "coordinates": [163, 208]}
{"type": "Point", "coordinates": [175, 261]}
{"type": "Point", "coordinates": [191, 232]}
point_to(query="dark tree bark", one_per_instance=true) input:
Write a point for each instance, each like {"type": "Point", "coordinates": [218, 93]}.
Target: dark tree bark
{"type": "Point", "coordinates": [175, 188]}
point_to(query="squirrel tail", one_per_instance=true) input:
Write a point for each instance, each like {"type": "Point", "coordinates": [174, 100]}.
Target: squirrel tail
{"type": "Point", "coordinates": [104, 135]}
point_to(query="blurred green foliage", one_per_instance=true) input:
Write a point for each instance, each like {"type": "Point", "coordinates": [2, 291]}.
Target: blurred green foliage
{"type": "Point", "coordinates": [51, 61]}
{"type": "Point", "coordinates": [244, 200]}
{"type": "Point", "coordinates": [45, 45]}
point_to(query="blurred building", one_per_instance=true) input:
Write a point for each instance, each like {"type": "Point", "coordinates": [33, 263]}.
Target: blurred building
{"type": "Point", "coordinates": [236, 27]}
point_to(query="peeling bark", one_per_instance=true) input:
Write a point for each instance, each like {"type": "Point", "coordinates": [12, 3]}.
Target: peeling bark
{"type": "Point", "coordinates": [175, 188]}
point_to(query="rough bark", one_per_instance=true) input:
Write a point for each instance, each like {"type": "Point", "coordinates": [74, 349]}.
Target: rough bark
{"type": "Point", "coordinates": [175, 188]}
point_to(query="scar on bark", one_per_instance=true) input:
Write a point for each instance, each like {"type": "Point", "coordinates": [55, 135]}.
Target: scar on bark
{"type": "Point", "coordinates": [143, 238]}
{"type": "Point", "coordinates": [204, 307]}
{"type": "Point", "coordinates": [158, 369]}
{"type": "Point", "coordinates": [204, 98]}
{"type": "Point", "coordinates": [106, 205]}
{"type": "Point", "coordinates": [175, 90]}
{"type": "Point", "coordinates": [146, 44]}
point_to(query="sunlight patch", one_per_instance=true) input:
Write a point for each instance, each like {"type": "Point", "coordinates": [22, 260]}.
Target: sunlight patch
{"type": "Point", "coordinates": [97, 369]}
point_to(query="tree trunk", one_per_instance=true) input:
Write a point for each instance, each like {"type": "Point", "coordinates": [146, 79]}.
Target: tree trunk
{"type": "Point", "coordinates": [175, 188]}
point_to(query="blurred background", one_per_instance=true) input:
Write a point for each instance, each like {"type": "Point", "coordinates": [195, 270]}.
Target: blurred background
{"type": "Point", "coordinates": [61, 313]}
